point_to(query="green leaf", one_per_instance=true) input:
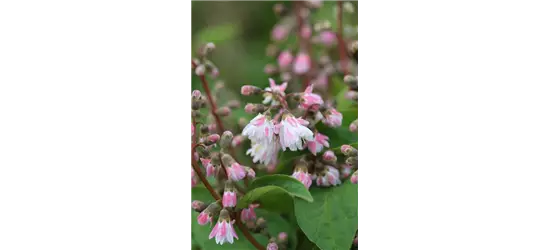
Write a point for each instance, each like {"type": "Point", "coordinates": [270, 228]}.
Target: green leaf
{"type": "Point", "coordinates": [286, 161]}
{"type": "Point", "coordinates": [272, 198]}
{"type": "Point", "coordinates": [331, 220]}
{"type": "Point", "coordinates": [293, 186]}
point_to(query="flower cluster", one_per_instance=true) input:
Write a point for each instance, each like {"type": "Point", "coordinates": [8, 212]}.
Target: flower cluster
{"type": "Point", "coordinates": [297, 113]}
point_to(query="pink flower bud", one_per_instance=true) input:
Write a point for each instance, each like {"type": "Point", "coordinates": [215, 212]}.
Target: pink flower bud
{"type": "Point", "coordinates": [247, 90]}
{"type": "Point", "coordinates": [282, 237]}
{"type": "Point", "coordinates": [196, 93]}
{"type": "Point", "coordinates": [229, 199]}
{"type": "Point", "coordinates": [279, 33]}
{"type": "Point", "coordinates": [353, 127]}
{"type": "Point", "coordinates": [272, 246]}
{"type": "Point", "coordinates": [197, 205]}
{"type": "Point", "coordinates": [237, 140]}
{"type": "Point", "coordinates": [306, 32]}
{"type": "Point", "coordinates": [223, 111]}
{"type": "Point", "coordinates": [248, 214]}
{"type": "Point", "coordinates": [285, 58]}
{"type": "Point", "coordinates": [192, 129]}
{"type": "Point", "coordinates": [354, 177]}
{"type": "Point", "coordinates": [213, 138]}
{"type": "Point", "coordinates": [270, 69]}
{"type": "Point", "coordinates": [250, 173]}
{"type": "Point", "coordinates": [212, 127]}
{"type": "Point", "coordinates": [345, 148]}
{"type": "Point", "coordinates": [249, 108]}
{"type": "Point", "coordinates": [328, 38]}
{"type": "Point", "coordinates": [302, 63]}
{"type": "Point", "coordinates": [351, 95]}
{"type": "Point", "coordinates": [200, 69]}
{"type": "Point", "coordinates": [329, 156]}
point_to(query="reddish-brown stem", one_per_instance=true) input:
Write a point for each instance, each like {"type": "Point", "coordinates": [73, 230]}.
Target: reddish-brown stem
{"type": "Point", "coordinates": [340, 41]}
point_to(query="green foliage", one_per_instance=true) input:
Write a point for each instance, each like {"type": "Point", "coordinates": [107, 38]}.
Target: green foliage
{"type": "Point", "coordinates": [272, 198]}
{"type": "Point", "coordinates": [331, 220]}
{"type": "Point", "coordinates": [292, 186]}
{"type": "Point", "coordinates": [218, 34]}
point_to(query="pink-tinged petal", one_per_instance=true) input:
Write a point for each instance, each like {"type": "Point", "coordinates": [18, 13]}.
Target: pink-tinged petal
{"type": "Point", "coordinates": [283, 86]}
{"type": "Point", "coordinates": [272, 83]}
{"type": "Point", "coordinates": [214, 231]}
{"type": "Point", "coordinates": [309, 89]}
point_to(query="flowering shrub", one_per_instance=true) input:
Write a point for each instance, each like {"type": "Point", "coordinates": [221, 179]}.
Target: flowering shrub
{"type": "Point", "coordinates": [299, 190]}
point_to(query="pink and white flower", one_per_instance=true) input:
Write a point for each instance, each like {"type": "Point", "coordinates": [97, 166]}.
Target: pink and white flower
{"type": "Point", "coordinates": [302, 63]}
{"type": "Point", "coordinates": [310, 100]}
{"type": "Point", "coordinates": [301, 174]}
{"type": "Point", "coordinates": [293, 133]}
{"type": "Point", "coordinates": [264, 152]}
{"type": "Point", "coordinates": [332, 118]}
{"type": "Point", "coordinates": [223, 232]}
{"type": "Point", "coordinates": [273, 90]}
{"type": "Point", "coordinates": [261, 128]}
{"type": "Point", "coordinates": [328, 38]}
{"type": "Point", "coordinates": [236, 172]}
{"type": "Point", "coordinates": [210, 169]}
{"type": "Point", "coordinates": [330, 177]}
{"type": "Point", "coordinates": [320, 141]}
{"type": "Point", "coordinates": [229, 198]}
{"type": "Point", "coordinates": [248, 214]}
{"type": "Point", "coordinates": [204, 217]}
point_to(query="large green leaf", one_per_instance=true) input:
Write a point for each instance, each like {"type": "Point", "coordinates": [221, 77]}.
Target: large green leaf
{"type": "Point", "coordinates": [294, 187]}
{"type": "Point", "coordinates": [272, 198]}
{"type": "Point", "coordinates": [331, 220]}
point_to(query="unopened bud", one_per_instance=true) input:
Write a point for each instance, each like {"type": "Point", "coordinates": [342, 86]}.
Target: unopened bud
{"type": "Point", "coordinates": [348, 7]}
{"type": "Point", "coordinates": [282, 237]}
{"type": "Point", "coordinates": [314, 4]}
{"type": "Point", "coordinates": [249, 108]}
{"type": "Point", "coordinates": [196, 94]}
{"type": "Point", "coordinates": [348, 150]}
{"type": "Point", "coordinates": [353, 161]}
{"type": "Point", "coordinates": [237, 140]}
{"type": "Point", "coordinates": [198, 206]}
{"type": "Point", "coordinates": [213, 138]}
{"type": "Point", "coordinates": [270, 69]}
{"type": "Point", "coordinates": [349, 79]}
{"type": "Point", "coordinates": [210, 46]}
{"type": "Point", "coordinates": [227, 159]}
{"type": "Point", "coordinates": [250, 90]}
{"type": "Point", "coordinates": [212, 127]}
{"type": "Point", "coordinates": [354, 177]}
{"type": "Point", "coordinates": [272, 246]}
{"type": "Point", "coordinates": [224, 214]}
{"type": "Point", "coordinates": [223, 111]}
{"type": "Point", "coordinates": [214, 72]}
{"type": "Point", "coordinates": [351, 95]}
{"type": "Point", "coordinates": [279, 9]}
{"type": "Point", "coordinates": [196, 114]}
{"type": "Point", "coordinates": [261, 223]}
{"type": "Point", "coordinates": [219, 85]}
{"type": "Point", "coordinates": [233, 104]}
{"type": "Point", "coordinates": [353, 127]}
{"type": "Point", "coordinates": [242, 122]}
{"type": "Point", "coordinates": [250, 172]}
{"type": "Point", "coordinates": [354, 50]}
{"type": "Point", "coordinates": [200, 70]}
{"type": "Point", "coordinates": [329, 156]}
{"type": "Point", "coordinates": [226, 139]}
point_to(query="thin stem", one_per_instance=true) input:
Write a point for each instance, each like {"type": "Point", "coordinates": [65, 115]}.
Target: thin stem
{"type": "Point", "coordinates": [340, 41]}
{"type": "Point", "coordinates": [214, 194]}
